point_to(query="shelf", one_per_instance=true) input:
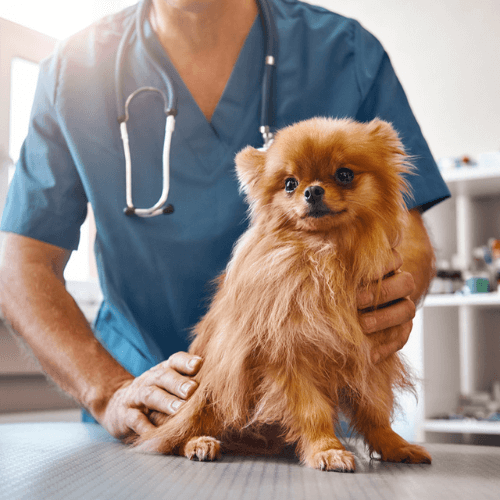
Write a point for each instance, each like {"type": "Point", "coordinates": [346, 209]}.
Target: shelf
{"type": "Point", "coordinates": [454, 300]}
{"type": "Point", "coordinates": [473, 181]}
{"type": "Point", "coordinates": [462, 426]}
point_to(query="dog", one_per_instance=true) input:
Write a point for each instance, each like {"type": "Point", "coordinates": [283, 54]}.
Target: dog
{"type": "Point", "coordinates": [282, 346]}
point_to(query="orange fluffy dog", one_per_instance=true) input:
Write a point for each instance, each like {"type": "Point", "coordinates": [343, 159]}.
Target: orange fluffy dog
{"type": "Point", "coordinates": [282, 345]}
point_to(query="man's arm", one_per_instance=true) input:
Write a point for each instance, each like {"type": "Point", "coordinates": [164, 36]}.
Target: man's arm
{"type": "Point", "coordinates": [34, 300]}
{"type": "Point", "coordinates": [388, 328]}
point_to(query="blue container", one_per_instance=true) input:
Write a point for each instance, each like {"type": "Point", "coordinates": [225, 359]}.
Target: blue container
{"type": "Point", "coordinates": [478, 285]}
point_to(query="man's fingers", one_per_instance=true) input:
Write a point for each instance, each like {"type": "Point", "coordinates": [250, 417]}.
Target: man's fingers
{"type": "Point", "coordinates": [380, 319]}
{"type": "Point", "coordinates": [395, 287]}
{"type": "Point", "coordinates": [394, 265]}
{"type": "Point", "coordinates": [155, 398]}
{"type": "Point", "coordinates": [152, 396]}
{"type": "Point", "coordinates": [138, 422]}
{"type": "Point", "coordinates": [184, 362]}
{"type": "Point", "coordinates": [162, 389]}
{"type": "Point", "coordinates": [399, 336]}
{"type": "Point", "coordinates": [366, 296]}
{"type": "Point", "coordinates": [392, 288]}
{"type": "Point", "coordinates": [175, 383]}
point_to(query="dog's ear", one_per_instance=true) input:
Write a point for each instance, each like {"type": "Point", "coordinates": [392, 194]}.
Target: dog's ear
{"type": "Point", "coordinates": [384, 131]}
{"type": "Point", "coordinates": [249, 167]}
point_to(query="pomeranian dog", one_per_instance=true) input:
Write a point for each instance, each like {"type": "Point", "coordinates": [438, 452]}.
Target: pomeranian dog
{"type": "Point", "coordinates": [282, 345]}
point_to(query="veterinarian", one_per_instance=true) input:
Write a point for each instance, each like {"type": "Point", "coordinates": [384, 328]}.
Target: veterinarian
{"type": "Point", "coordinates": [155, 272]}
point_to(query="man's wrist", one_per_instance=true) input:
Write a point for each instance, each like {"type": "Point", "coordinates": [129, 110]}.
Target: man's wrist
{"type": "Point", "coordinates": [102, 386]}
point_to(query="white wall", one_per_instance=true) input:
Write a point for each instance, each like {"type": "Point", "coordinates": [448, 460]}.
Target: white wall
{"type": "Point", "coordinates": [447, 56]}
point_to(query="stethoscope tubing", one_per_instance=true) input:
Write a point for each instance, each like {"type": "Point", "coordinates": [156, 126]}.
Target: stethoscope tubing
{"type": "Point", "coordinates": [271, 50]}
{"type": "Point", "coordinates": [159, 207]}
{"type": "Point", "coordinates": [170, 101]}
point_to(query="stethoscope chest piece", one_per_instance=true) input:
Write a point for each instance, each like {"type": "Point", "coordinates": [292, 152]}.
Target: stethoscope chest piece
{"type": "Point", "coordinates": [169, 209]}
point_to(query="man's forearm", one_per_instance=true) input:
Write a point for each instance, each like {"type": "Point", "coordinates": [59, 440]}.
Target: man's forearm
{"type": "Point", "coordinates": [35, 302]}
{"type": "Point", "coordinates": [418, 255]}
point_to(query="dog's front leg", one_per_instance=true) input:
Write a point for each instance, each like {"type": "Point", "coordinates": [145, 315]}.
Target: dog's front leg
{"type": "Point", "coordinates": [308, 416]}
{"type": "Point", "coordinates": [371, 418]}
{"type": "Point", "coordinates": [318, 445]}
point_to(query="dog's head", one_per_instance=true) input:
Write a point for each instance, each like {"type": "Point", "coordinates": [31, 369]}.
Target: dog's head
{"type": "Point", "coordinates": [321, 174]}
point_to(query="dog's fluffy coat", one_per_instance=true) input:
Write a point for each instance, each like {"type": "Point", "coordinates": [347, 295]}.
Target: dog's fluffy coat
{"type": "Point", "coordinates": [282, 346]}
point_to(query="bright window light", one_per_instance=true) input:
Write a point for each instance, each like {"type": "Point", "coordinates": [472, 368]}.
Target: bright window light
{"type": "Point", "coordinates": [59, 18]}
{"type": "Point", "coordinates": [24, 75]}
{"type": "Point", "coordinates": [79, 265]}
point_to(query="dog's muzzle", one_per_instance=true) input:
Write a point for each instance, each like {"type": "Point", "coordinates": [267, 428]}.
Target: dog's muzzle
{"type": "Point", "coordinates": [314, 198]}
{"type": "Point", "coordinates": [314, 194]}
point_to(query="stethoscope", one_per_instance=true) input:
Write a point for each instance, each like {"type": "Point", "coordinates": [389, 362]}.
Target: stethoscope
{"type": "Point", "coordinates": [170, 101]}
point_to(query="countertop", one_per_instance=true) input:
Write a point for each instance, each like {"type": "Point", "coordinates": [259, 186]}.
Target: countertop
{"type": "Point", "coordinates": [81, 461]}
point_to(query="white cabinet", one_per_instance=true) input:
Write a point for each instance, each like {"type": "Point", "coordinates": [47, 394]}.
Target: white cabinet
{"type": "Point", "coordinates": [459, 334]}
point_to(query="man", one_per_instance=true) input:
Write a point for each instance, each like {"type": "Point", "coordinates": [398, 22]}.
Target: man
{"type": "Point", "coordinates": [154, 272]}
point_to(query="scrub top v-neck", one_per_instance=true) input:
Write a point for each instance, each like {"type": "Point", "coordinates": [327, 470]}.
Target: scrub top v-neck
{"type": "Point", "coordinates": [156, 274]}
{"type": "Point", "coordinates": [211, 142]}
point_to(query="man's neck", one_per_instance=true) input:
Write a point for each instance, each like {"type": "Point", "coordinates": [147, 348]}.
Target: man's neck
{"type": "Point", "coordinates": [203, 39]}
{"type": "Point", "coordinates": [200, 26]}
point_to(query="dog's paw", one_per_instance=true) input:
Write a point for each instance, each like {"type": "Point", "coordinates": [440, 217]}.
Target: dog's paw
{"type": "Point", "coordinates": [408, 454]}
{"type": "Point", "coordinates": [203, 448]}
{"type": "Point", "coordinates": [336, 460]}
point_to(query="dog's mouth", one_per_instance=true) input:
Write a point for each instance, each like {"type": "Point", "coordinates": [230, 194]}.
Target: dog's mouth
{"type": "Point", "coordinates": [322, 210]}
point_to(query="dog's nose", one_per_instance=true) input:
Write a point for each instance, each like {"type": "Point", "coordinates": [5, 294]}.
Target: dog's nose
{"type": "Point", "coordinates": [314, 194]}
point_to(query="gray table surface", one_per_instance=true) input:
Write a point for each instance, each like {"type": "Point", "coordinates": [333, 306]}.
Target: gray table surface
{"type": "Point", "coordinates": [81, 461]}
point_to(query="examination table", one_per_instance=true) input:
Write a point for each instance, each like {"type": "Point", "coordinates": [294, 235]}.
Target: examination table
{"type": "Point", "coordinates": [81, 461]}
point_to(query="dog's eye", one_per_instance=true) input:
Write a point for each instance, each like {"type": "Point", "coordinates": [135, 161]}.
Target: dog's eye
{"type": "Point", "coordinates": [291, 185]}
{"type": "Point", "coordinates": [344, 176]}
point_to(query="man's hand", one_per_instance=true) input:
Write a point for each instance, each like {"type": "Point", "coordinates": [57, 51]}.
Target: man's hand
{"type": "Point", "coordinates": [405, 284]}
{"type": "Point", "coordinates": [163, 388]}
{"type": "Point", "coordinates": [388, 321]}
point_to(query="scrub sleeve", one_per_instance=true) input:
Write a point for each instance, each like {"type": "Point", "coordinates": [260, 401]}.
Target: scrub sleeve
{"type": "Point", "coordinates": [386, 99]}
{"type": "Point", "coordinates": [46, 198]}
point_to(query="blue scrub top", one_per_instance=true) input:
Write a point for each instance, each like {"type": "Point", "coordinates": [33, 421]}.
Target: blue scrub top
{"type": "Point", "coordinates": [156, 273]}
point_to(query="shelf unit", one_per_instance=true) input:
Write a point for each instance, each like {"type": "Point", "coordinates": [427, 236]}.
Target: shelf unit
{"type": "Point", "coordinates": [459, 334]}
{"type": "Point", "coordinates": [478, 299]}
{"type": "Point", "coordinates": [462, 426]}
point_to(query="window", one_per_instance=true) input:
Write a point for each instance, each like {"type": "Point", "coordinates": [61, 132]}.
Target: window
{"type": "Point", "coordinates": [28, 33]}
{"type": "Point", "coordinates": [23, 78]}
{"type": "Point", "coordinates": [59, 18]}
{"type": "Point", "coordinates": [20, 51]}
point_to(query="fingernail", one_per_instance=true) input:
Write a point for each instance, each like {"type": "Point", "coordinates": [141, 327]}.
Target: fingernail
{"type": "Point", "coordinates": [176, 405]}
{"type": "Point", "coordinates": [186, 387]}
{"type": "Point", "coordinates": [192, 364]}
